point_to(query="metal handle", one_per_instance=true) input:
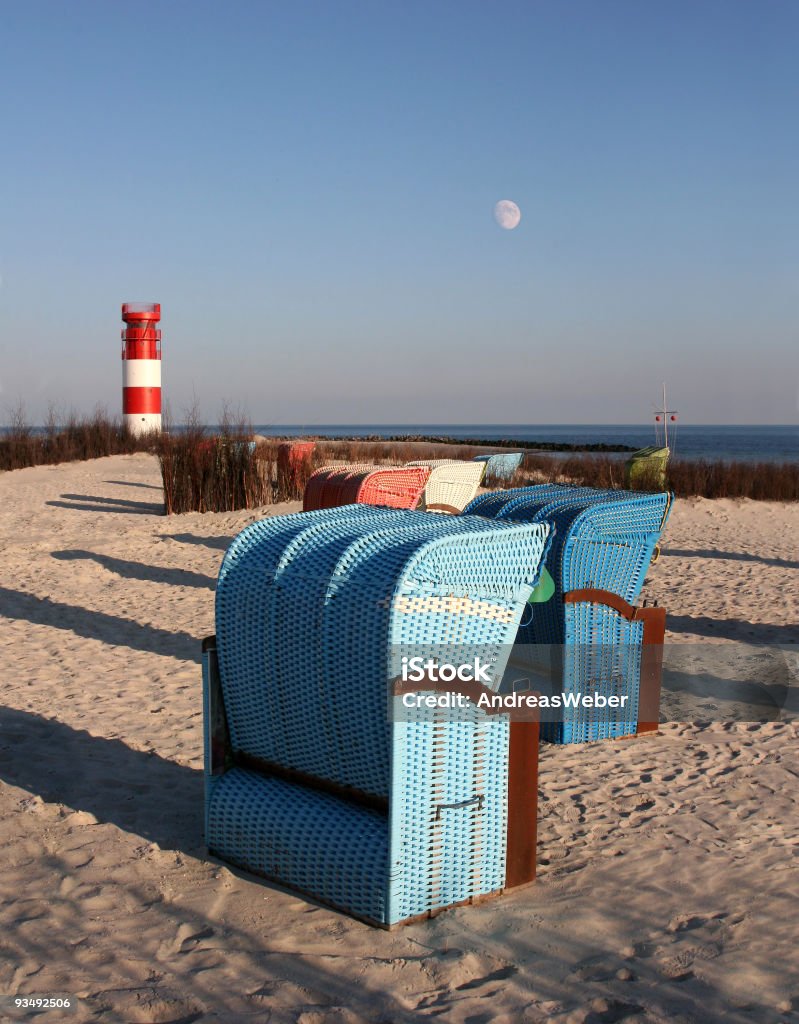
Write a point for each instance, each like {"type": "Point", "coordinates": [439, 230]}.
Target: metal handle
{"type": "Point", "coordinates": [461, 803]}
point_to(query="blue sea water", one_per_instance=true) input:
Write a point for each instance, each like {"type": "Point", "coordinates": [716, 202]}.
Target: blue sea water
{"type": "Point", "coordinates": [743, 443]}
{"type": "Point", "coordinates": [687, 441]}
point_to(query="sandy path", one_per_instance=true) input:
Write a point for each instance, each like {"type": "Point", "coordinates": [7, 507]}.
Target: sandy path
{"type": "Point", "coordinates": [667, 887]}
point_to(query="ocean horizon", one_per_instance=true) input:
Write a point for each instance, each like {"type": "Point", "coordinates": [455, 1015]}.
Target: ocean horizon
{"type": "Point", "coordinates": [714, 442]}
{"type": "Point", "coordinates": [748, 443]}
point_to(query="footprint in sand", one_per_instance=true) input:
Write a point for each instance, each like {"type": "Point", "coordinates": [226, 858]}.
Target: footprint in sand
{"type": "Point", "coordinates": [678, 968]}
{"type": "Point", "coordinates": [689, 922]}
{"type": "Point", "coordinates": [186, 940]}
{"type": "Point", "coordinates": [150, 1006]}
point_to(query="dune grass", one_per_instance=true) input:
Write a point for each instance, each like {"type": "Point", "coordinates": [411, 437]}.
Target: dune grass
{"type": "Point", "coordinates": [226, 470]}
{"type": "Point", "coordinates": [761, 481]}
{"type": "Point", "coordinates": [66, 439]}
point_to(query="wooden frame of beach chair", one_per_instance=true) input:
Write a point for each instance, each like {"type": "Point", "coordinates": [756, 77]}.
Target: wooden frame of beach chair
{"type": "Point", "coordinates": [644, 629]}
{"type": "Point", "coordinates": [388, 818]}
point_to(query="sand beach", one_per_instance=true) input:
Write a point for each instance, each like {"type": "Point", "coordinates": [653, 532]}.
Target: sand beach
{"type": "Point", "coordinates": [667, 890]}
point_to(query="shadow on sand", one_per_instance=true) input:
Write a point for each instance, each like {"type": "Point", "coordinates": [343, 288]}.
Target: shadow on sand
{"type": "Point", "coordinates": [732, 556]}
{"type": "Point", "coordinates": [80, 502]}
{"type": "Point", "coordinates": [218, 543]}
{"type": "Point", "coordinates": [138, 791]}
{"type": "Point", "coordinates": [110, 629]}
{"type": "Point", "coordinates": [134, 483]}
{"type": "Point", "coordinates": [732, 629]}
{"type": "Point", "coordinates": [140, 571]}
{"type": "Point", "coordinates": [146, 795]}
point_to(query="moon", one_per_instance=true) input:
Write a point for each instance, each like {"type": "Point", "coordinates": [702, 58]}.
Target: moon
{"type": "Point", "coordinates": [507, 214]}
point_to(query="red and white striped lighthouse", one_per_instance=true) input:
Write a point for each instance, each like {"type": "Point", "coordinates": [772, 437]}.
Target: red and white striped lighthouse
{"type": "Point", "coordinates": [141, 367]}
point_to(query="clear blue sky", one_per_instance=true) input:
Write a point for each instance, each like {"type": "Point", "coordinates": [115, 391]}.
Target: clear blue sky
{"type": "Point", "coordinates": [307, 188]}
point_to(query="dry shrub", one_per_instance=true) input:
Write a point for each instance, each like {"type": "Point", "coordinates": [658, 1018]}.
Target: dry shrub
{"type": "Point", "coordinates": [66, 439]}
{"type": "Point", "coordinates": [762, 481]}
{"type": "Point", "coordinates": [218, 473]}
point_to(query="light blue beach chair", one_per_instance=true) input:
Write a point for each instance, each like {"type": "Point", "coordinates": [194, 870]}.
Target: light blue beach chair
{"type": "Point", "coordinates": [310, 781]}
{"type": "Point", "coordinates": [596, 641]}
{"type": "Point", "coordinates": [500, 468]}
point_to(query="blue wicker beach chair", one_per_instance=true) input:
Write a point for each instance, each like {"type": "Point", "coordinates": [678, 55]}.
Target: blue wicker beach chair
{"type": "Point", "coordinates": [597, 641]}
{"type": "Point", "coordinates": [500, 468]}
{"type": "Point", "coordinates": [603, 539]}
{"type": "Point", "coordinates": [490, 502]}
{"type": "Point", "coordinates": [309, 780]}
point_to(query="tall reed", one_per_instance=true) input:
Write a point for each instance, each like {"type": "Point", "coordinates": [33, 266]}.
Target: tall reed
{"type": "Point", "coordinates": [219, 473]}
{"type": "Point", "coordinates": [65, 438]}
{"type": "Point", "coordinates": [763, 481]}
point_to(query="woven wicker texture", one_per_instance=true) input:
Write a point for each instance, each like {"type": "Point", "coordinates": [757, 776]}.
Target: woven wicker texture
{"type": "Point", "coordinates": [500, 468]}
{"type": "Point", "coordinates": [309, 610]}
{"type": "Point", "coordinates": [312, 841]}
{"type": "Point", "coordinates": [602, 539]}
{"type": "Point", "coordinates": [342, 488]}
{"type": "Point", "coordinates": [491, 502]}
{"type": "Point", "coordinates": [331, 569]}
{"type": "Point", "coordinates": [394, 486]}
{"type": "Point", "coordinates": [601, 655]}
{"type": "Point", "coordinates": [450, 483]}
{"type": "Point", "coordinates": [312, 498]}
{"type": "Point", "coordinates": [387, 486]}
{"type": "Point", "coordinates": [321, 491]}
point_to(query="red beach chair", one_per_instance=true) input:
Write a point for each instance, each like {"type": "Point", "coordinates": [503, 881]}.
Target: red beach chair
{"type": "Point", "coordinates": [394, 486]}
{"type": "Point", "coordinates": [324, 487]}
{"type": "Point", "coordinates": [294, 466]}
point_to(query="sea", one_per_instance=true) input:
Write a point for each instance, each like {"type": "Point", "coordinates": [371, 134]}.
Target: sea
{"type": "Point", "coordinates": [713, 443]}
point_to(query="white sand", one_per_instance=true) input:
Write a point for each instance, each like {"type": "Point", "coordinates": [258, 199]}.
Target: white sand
{"type": "Point", "coordinates": [667, 886]}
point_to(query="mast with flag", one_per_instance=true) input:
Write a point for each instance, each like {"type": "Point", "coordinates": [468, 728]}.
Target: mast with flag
{"type": "Point", "coordinates": [664, 416]}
